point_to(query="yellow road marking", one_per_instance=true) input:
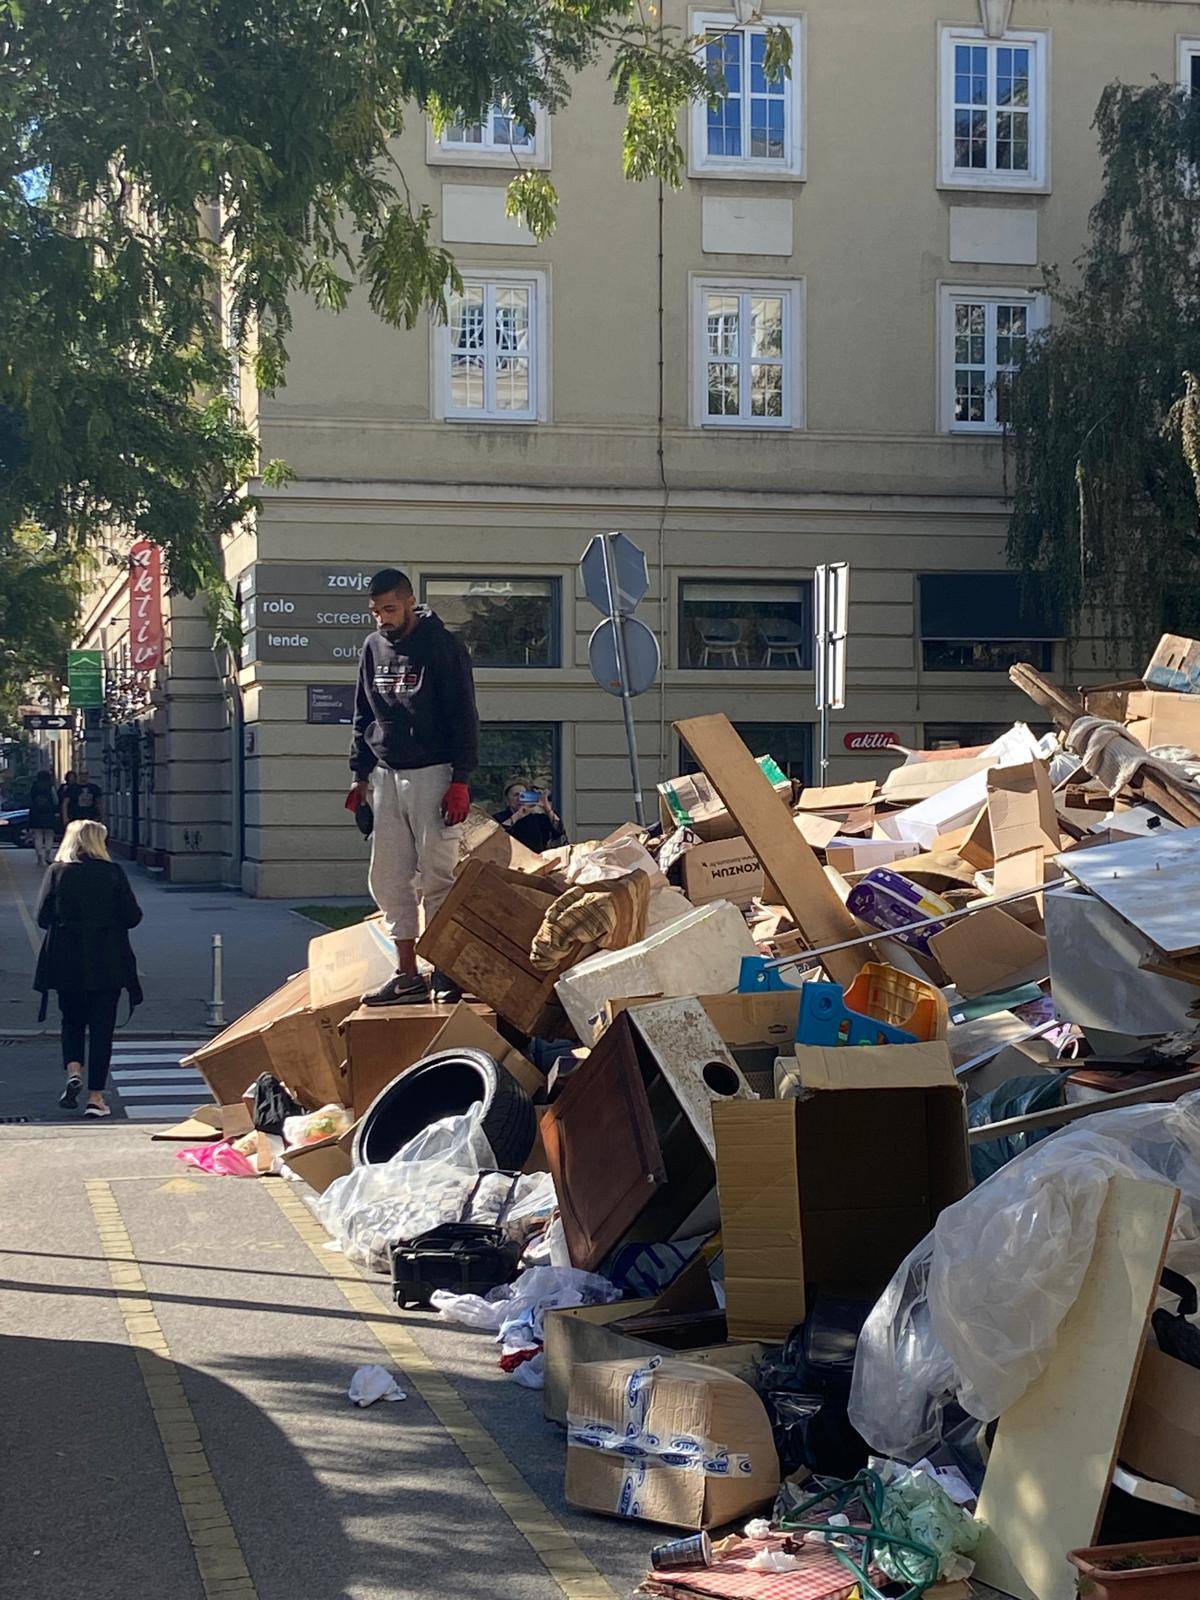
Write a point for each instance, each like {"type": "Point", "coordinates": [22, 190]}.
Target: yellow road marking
{"type": "Point", "coordinates": [35, 942]}
{"type": "Point", "coordinates": [538, 1526]}
{"type": "Point", "coordinates": [215, 1548]}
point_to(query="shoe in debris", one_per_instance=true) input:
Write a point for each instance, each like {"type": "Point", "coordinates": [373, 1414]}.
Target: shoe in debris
{"type": "Point", "coordinates": [401, 989]}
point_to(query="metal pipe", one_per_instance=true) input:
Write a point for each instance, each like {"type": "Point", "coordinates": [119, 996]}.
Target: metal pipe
{"type": "Point", "coordinates": [910, 927]}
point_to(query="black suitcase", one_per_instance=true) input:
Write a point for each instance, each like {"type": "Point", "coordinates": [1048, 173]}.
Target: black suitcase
{"type": "Point", "coordinates": [461, 1257]}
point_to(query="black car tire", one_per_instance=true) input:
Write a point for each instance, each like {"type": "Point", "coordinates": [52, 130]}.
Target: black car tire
{"type": "Point", "coordinates": [444, 1085]}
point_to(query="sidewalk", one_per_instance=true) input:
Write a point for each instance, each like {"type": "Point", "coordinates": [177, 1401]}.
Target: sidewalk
{"type": "Point", "coordinates": [264, 942]}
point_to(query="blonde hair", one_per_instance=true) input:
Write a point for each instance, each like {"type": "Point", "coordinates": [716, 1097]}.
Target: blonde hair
{"type": "Point", "coordinates": [84, 839]}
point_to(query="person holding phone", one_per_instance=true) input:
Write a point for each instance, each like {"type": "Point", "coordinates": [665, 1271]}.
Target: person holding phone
{"type": "Point", "coordinates": [530, 817]}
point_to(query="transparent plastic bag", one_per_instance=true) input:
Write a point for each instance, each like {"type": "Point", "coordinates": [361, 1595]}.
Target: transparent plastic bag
{"type": "Point", "coordinates": [973, 1313]}
{"type": "Point", "coordinates": [329, 1122]}
{"type": "Point", "coordinates": [424, 1184]}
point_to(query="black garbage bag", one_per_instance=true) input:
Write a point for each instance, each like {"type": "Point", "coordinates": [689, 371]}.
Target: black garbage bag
{"type": "Point", "coordinates": [805, 1386]}
{"type": "Point", "coordinates": [272, 1103]}
{"type": "Point", "coordinates": [1175, 1334]}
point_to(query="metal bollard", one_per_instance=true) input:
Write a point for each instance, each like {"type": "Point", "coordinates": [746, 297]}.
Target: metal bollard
{"type": "Point", "coordinates": [216, 1006]}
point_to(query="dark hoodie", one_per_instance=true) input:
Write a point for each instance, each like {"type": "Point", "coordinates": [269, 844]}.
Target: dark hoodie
{"type": "Point", "coordinates": [415, 705]}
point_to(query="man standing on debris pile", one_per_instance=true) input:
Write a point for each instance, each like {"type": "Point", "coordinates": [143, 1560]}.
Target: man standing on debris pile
{"type": "Point", "coordinates": [416, 742]}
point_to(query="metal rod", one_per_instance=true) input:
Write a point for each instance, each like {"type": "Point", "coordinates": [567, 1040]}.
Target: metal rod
{"type": "Point", "coordinates": [614, 616]}
{"type": "Point", "coordinates": [823, 746]}
{"type": "Point", "coordinates": [910, 927]}
{"type": "Point", "coordinates": [216, 1006]}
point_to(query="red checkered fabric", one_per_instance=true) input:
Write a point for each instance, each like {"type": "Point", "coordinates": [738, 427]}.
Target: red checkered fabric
{"type": "Point", "coordinates": [822, 1577]}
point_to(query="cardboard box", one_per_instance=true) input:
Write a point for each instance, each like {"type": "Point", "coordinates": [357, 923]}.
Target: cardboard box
{"type": "Point", "coordinates": [860, 855]}
{"type": "Point", "coordinates": [692, 802]}
{"type": "Point", "coordinates": [759, 1185]}
{"type": "Point", "coordinates": [726, 869]}
{"type": "Point", "coordinates": [1153, 716]}
{"type": "Point", "coordinates": [380, 1042]}
{"type": "Point", "coordinates": [1175, 664]}
{"type": "Point", "coordinates": [344, 964]}
{"type": "Point", "coordinates": [580, 1334]}
{"type": "Point", "coordinates": [677, 1400]}
{"type": "Point", "coordinates": [485, 840]}
{"type": "Point", "coordinates": [873, 1153]}
{"type": "Point", "coordinates": [836, 797]}
{"type": "Point", "coordinates": [1021, 810]}
{"type": "Point", "coordinates": [282, 1035]}
{"type": "Point", "coordinates": [1162, 1433]}
{"type": "Point", "coordinates": [324, 1160]}
{"type": "Point", "coordinates": [482, 937]}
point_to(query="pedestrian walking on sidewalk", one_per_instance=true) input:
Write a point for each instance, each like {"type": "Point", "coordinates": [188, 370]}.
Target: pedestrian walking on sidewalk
{"type": "Point", "coordinates": [87, 909]}
{"type": "Point", "coordinates": [416, 743]}
{"type": "Point", "coordinates": [43, 816]}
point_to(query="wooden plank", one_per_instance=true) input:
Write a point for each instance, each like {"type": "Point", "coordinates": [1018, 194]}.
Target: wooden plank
{"type": "Point", "coordinates": [1056, 1116]}
{"type": "Point", "coordinates": [786, 857]}
{"type": "Point", "coordinates": [1052, 1459]}
{"type": "Point", "coordinates": [1154, 883]}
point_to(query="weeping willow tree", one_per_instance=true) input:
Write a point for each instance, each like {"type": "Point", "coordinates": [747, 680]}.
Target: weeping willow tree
{"type": "Point", "coordinates": [1103, 435]}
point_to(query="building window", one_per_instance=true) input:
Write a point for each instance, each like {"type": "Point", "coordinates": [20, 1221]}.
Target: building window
{"type": "Point", "coordinates": [516, 752]}
{"type": "Point", "coordinates": [984, 335]}
{"type": "Point", "coordinates": [788, 743]}
{"type": "Point", "coordinates": [747, 341]}
{"type": "Point", "coordinates": [993, 110]}
{"type": "Point", "coordinates": [766, 626]}
{"type": "Point", "coordinates": [1188, 66]}
{"type": "Point", "coordinates": [753, 127]}
{"type": "Point", "coordinates": [492, 350]}
{"type": "Point", "coordinates": [504, 622]}
{"type": "Point", "coordinates": [983, 622]}
{"type": "Point", "coordinates": [500, 139]}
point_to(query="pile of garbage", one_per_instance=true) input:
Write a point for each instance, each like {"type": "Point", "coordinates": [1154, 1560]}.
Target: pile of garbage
{"type": "Point", "coordinates": [833, 1151]}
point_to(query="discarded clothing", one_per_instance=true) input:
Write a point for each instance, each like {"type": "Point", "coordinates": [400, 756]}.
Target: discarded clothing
{"type": "Point", "coordinates": [596, 916]}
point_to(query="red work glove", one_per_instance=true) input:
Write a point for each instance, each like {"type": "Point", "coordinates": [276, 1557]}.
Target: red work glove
{"type": "Point", "coordinates": [456, 802]}
{"type": "Point", "coordinates": [357, 795]}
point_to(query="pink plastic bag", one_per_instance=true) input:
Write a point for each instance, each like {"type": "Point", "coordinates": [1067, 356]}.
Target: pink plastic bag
{"type": "Point", "coordinates": [220, 1158]}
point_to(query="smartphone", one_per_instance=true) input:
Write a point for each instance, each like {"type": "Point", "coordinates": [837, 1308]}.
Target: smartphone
{"type": "Point", "coordinates": [530, 797]}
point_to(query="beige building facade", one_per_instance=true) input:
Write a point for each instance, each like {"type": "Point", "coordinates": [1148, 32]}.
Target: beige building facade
{"type": "Point", "coordinates": [797, 358]}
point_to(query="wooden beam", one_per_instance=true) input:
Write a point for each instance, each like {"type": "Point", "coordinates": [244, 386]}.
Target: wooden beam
{"type": "Point", "coordinates": [786, 858]}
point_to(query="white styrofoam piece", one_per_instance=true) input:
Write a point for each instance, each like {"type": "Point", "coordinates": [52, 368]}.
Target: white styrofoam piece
{"type": "Point", "coordinates": [681, 1038]}
{"type": "Point", "coordinates": [1095, 977]}
{"type": "Point", "coordinates": [954, 807]}
{"type": "Point", "coordinates": [1154, 883]}
{"type": "Point", "coordinates": [700, 953]}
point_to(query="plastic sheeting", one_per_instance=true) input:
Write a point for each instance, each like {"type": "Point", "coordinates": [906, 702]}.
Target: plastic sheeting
{"type": "Point", "coordinates": [426, 1183]}
{"type": "Point", "coordinates": [973, 1313]}
{"type": "Point", "coordinates": [515, 1312]}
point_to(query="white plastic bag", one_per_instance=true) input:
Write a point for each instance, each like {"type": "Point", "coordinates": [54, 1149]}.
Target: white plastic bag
{"type": "Point", "coordinates": [973, 1313]}
{"type": "Point", "coordinates": [515, 1311]}
{"type": "Point", "coordinates": [373, 1383]}
{"type": "Point", "coordinates": [424, 1184]}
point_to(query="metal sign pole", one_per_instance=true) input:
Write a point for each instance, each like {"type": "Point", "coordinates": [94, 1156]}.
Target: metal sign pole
{"type": "Point", "coordinates": [635, 776]}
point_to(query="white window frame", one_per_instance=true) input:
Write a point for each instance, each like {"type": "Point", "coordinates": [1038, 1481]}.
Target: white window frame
{"type": "Point", "coordinates": [951, 295]}
{"type": "Point", "coordinates": [700, 163]}
{"type": "Point", "coordinates": [1185, 51]}
{"type": "Point", "coordinates": [1037, 179]}
{"type": "Point", "coordinates": [539, 363]}
{"type": "Point", "coordinates": [793, 292]}
{"type": "Point", "coordinates": [441, 152]}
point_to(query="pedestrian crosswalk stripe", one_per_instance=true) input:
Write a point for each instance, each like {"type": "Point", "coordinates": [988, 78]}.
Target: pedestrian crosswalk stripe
{"type": "Point", "coordinates": [153, 1086]}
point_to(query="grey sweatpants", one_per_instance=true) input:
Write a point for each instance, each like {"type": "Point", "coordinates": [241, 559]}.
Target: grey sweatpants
{"type": "Point", "coordinates": [412, 850]}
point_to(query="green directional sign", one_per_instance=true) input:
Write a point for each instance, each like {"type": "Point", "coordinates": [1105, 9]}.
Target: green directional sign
{"type": "Point", "coordinates": [85, 677]}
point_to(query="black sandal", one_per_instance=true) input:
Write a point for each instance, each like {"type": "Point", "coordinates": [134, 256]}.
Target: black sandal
{"type": "Point", "coordinates": [69, 1098]}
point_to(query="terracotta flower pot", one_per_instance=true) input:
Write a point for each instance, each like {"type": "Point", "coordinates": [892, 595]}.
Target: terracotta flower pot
{"type": "Point", "coordinates": [1151, 1569]}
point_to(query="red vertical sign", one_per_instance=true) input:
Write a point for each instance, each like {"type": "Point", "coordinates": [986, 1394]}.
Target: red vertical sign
{"type": "Point", "coordinates": [145, 607]}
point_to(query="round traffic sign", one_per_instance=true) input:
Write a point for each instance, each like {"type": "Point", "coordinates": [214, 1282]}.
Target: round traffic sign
{"type": "Point", "coordinates": [642, 658]}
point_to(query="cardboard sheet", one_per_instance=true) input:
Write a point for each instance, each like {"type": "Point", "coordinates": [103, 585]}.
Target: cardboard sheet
{"type": "Point", "coordinates": [988, 952]}
{"type": "Point", "coordinates": [1052, 1458]}
{"type": "Point", "coordinates": [758, 1178]}
{"type": "Point", "coordinates": [1162, 1436]}
{"type": "Point", "coordinates": [835, 797]}
{"type": "Point", "coordinates": [344, 964]}
{"type": "Point", "coordinates": [1021, 810]}
{"type": "Point", "coordinates": [767, 824]}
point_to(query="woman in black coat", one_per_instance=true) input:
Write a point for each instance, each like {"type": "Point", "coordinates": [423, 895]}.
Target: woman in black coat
{"type": "Point", "coordinates": [87, 909]}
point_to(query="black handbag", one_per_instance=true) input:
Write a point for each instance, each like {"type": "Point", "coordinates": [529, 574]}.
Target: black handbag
{"type": "Point", "coordinates": [461, 1257]}
{"type": "Point", "coordinates": [1177, 1335]}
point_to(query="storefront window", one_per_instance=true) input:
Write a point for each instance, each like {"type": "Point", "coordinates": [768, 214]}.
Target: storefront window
{"type": "Point", "coordinates": [504, 622]}
{"type": "Point", "coordinates": [984, 622]}
{"type": "Point", "coordinates": [760, 626]}
{"type": "Point", "coordinates": [524, 752]}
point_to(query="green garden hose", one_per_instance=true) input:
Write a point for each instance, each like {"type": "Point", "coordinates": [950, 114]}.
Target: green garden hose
{"type": "Point", "coordinates": [914, 1564]}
